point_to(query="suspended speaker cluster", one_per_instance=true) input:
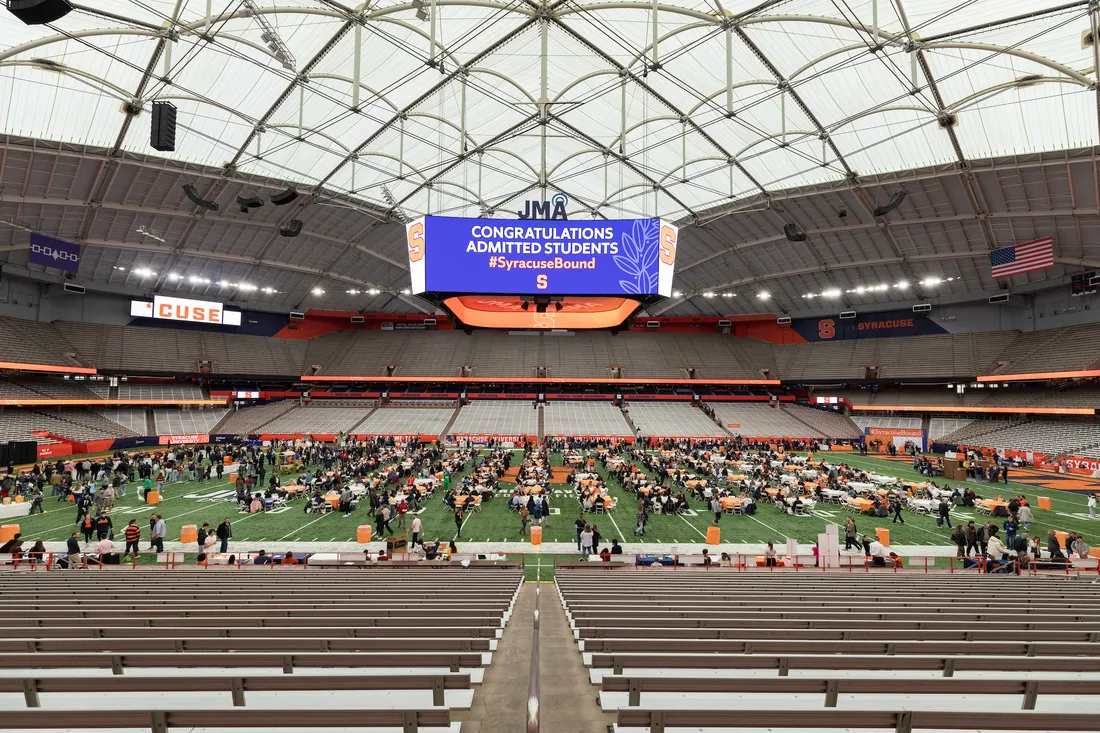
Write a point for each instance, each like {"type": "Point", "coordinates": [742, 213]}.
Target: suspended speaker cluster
{"type": "Point", "coordinates": [291, 229]}
{"type": "Point", "coordinates": [794, 233]}
{"type": "Point", "coordinates": [197, 200]}
{"type": "Point", "coordinates": [893, 203]}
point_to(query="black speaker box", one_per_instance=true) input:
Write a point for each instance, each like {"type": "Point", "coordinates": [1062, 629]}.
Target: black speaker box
{"type": "Point", "coordinates": [37, 12]}
{"type": "Point", "coordinates": [163, 133]}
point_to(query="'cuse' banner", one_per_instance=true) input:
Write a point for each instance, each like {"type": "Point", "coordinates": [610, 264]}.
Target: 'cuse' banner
{"type": "Point", "coordinates": [890, 324]}
{"type": "Point", "coordinates": [184, 309]}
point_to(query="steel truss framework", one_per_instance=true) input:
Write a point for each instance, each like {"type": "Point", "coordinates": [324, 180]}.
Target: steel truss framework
{"type": "Point", "coordinates": [733, 119]}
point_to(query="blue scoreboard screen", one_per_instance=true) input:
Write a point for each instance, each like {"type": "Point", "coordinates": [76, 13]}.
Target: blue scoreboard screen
{"type": "Point", "coordinates": [627, 257]}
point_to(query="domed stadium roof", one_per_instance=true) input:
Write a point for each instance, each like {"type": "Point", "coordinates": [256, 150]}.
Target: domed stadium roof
{"type": "Point", "coordinates": [735, 119]}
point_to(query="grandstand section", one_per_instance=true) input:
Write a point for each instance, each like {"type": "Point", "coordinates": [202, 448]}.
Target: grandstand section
{"type": "Point", "coordinates": [563, 417]}
{"type": "Point", "coordinates": [169, 421]}
{"type": "Point", "coordinates": [497, 417]}
{"type": "Point", "coordinates": [754, 419]}
{"type": "Point", "coordinates": [323, 419]}
{"type": "Point", "coordinates": [672, 419]}
{"type": "Point", "coordinates": [407, 421]}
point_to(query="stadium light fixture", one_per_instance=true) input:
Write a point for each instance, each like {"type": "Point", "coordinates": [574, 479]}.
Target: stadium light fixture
{"type": "Point", "coordinates": [406, 291]}
{"type": "Point", "coordinates": [247, 287]}
{"type": "Point", "coordinates": [676, 293]}
{"type": "Point", "coordinates": [144, 272]}
{"type": "Point", "coordinates": [353, 291]}
{"type": "Point", "coordinates": [763, 295]}
{"type": "Point", "coordinates": [860, 290]}
{"type": "Point", "coordinates": [373, 291]}
{"type": "Point", "coordinates": [269, 290]}
{"type": "Point", "coordinates": [831, 293]}
{"type": "Point", "coordinates": [902, 284]}
{"type": "Point", "coordinates": [810, 296]}
{"type": "Point", "coordinates": [173, 276]}
{"type": "Point", "coordinates": [121, 269]}
{"type": "Point", "coordinates": [708, 294]}
{"type": "Point", "coordinates": [318, 291]}
{"type": "Point", "coordinates": [930, 282]}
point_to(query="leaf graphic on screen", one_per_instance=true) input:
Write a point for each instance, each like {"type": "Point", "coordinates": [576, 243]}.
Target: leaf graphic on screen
{"type": "Point", "coordinates": [626, 265]}
{"type": "Point", "coordinates": [651, 282]}
{"type": "Point", "coordinates": [629, 287]}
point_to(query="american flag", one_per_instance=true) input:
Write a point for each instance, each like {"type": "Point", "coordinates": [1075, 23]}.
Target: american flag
{"type": "Point", "coordinates": [1037, 255]}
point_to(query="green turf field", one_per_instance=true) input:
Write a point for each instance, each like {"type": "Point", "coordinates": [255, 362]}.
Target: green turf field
{"type": "Point", "coordinates": [195, 503]}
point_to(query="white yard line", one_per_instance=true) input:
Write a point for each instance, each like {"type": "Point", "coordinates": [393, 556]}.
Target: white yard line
{"type": "Point", "coordinates": [299, 529]}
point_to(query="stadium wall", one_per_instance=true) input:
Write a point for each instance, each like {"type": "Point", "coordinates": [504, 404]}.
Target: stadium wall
{"type": "Point", "coordinates": [1050, 308]}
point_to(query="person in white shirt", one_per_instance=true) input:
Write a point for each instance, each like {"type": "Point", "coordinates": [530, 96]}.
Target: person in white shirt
{"type": "Point", "coordinates": [415, 529]}
{"type": "Point", "coordinates": [586, 541]}
{"type": "Point", "coordinates": [878, 553]}
{"type": "Point", "coordinates": [1092, 506]}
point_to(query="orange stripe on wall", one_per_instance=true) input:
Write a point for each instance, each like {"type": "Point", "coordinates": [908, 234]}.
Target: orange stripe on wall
{"type": "Point", "coordinates": [535, 380]}
{"type": "Point", "coordinates": [1041, 375]}
{"type": "Point", "coordinates": [45, 368]}
{"type": "Point", "coordinates": [997, 410]}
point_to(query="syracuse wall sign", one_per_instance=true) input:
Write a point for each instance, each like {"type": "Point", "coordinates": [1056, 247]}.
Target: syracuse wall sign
{"type": "Point", "coordinates": [184, 309]}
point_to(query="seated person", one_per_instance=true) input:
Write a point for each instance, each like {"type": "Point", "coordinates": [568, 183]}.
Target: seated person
{"type": "Point", "coordinates": [796, 505]}
{"type": "Point", "coordinates": [289, 559]}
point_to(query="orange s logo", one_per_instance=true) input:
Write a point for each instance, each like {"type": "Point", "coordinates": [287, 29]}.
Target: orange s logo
{"type": "Point", "coordinates": [416, 241]}
{"type": "Point", "coordinates": [544, 320]}
{"type": "Point", "coordinates": [826, 329]}
{"type": "Point", "coordinates": [541, 283]}
{"type": "Point", "coordinates": [668, 245]}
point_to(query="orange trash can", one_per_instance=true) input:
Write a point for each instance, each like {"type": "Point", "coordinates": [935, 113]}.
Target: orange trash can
{"type": "Point", "coordinates": [8, 531]}
{"type": "Point", "coordinates": [536, 535]}
{"type": "Point", "coordinates": [19, 500]}
{"type": "Point", "coordinates": [1044, 502]}
{"type": "Point", "coordinates": [1061, 538]}
{"type": "Point", "coordinates": [714, 535]}
{"type": "Point", "coordinates": [363, 534]}
{"type": "Point", "coordinates": [883, 535]}
{"type": "Point", "coordinates": [152, 497]}
{"type": "Point", "coordinates": [189, 533]}
{"type": "Point", "coordinates": [7, 500]}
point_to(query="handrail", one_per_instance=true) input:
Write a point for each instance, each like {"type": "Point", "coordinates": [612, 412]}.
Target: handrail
{"type": "Point", "coordinates": [534, 711]}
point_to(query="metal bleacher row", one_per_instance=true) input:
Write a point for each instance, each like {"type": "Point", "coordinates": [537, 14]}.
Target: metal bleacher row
{"type": "Point", "coordinates": [584, 354]}
{"type": "Point", "coordinates": [276, 648]}
{"type": "Point", "coordinates": [721, 650]}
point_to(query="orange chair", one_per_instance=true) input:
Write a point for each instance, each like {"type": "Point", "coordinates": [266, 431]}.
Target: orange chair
{"type": "Point", "coordinates": [1044, 502]}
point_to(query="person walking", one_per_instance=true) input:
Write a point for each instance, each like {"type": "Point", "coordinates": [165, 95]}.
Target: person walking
{"type": "Point", "coordinates": [133, 537]}
{"type": "Point", "coordinates": [944, 511]}
{"type": "Point", "coordinates": [580, 524]}
{"type": "Point", "coordinates": [849, 533]}
{"type": "Point", "coordinates": [415, 528]}
{"type": "Point", "coordinates": [586, 541]}
{"type": "Point", "coordinates": [379, 521]}
{"type": "Point", "coordinates": [223, 533]}
{"type": "Point", "coordinates": [897, 506]}
{"type": "Point", "coordinates": [458, 521]}
{"type": "Point", "coordinates": [972, 539]}
{"type": "Point", "coordinates": [156, 538]}
{"type": "Point", "coordinates": [716, 507]}
{"type": "Point", "coordinates": [36, 503]}
{"type": "Point", "coordinates": [523, 517]}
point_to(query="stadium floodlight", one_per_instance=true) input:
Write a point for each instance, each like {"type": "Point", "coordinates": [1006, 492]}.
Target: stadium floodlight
{"type": "Point", "coordinates": [318, 291]}
{"type": "Point", "coordinates": [902, 284]}
{"type": "Point", "coordinates": [832, 293]}
{"type": "Point", "coordinates": [763, 295]}
{"type": "Point", "coordinates": [373, 291]}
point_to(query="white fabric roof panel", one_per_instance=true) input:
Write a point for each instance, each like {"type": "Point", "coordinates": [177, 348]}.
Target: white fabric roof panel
{"type": "Point", "coordinates": [819, 97]}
